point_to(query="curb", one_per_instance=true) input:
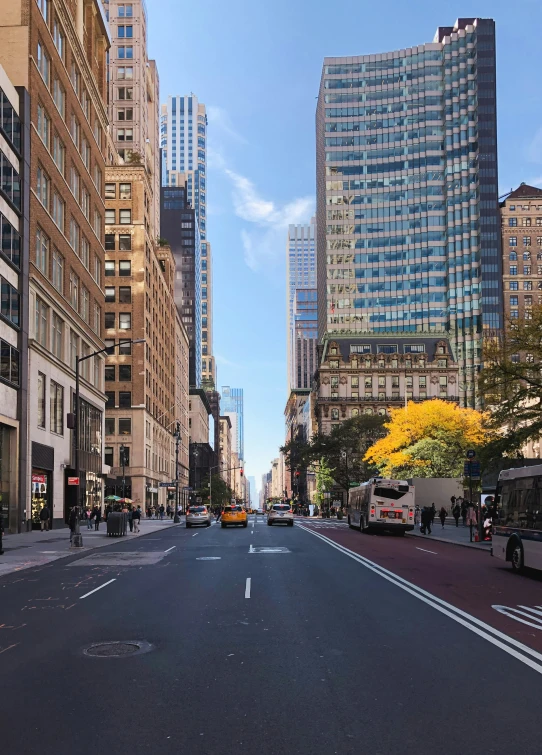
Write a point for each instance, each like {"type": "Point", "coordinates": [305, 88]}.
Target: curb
{"type": "Point", "coordinates": [475, 546]}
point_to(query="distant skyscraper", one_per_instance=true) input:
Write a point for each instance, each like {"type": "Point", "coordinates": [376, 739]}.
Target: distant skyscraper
{"type": "Point", "coordinates": [232, 403]}
{"type": "Point", "coordinates": [183, 139]}
{"type": "Point", "coordinates": [253, 496]}
{"type": "Point", "coordinates": [301, 274]}
{"type": "Point", "coordinates": [407, 200]}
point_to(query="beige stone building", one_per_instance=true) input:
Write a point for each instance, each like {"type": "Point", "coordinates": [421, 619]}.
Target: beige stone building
{"type": "Point", "coordinates": [376, 373]}
{"type": "Point", "coordinates": [57, 52]}
{"type": "Point", "coordinates": [134, 101]}
{"type": "Point", "coordinates": [225, 458]}
{"type": "Point", "coordinates": [146, 383]}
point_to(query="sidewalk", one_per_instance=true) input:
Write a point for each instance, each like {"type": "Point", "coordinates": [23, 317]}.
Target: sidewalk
{"type": "Point", "coordinates": [37, 548]}
{"type": "Point", "coordinates": [450, 534]}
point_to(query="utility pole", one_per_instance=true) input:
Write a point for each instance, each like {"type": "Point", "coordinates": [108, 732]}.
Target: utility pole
{"type": "Point", "coordinates": [176, 518]}
{"type": "Point", "coordinates": [123, 463]}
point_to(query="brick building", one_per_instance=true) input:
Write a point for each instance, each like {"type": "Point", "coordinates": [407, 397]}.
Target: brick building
{"type": "Point", "coordinates": [57, 52]}
{"type": "Point", "coordinates": [146, 383]}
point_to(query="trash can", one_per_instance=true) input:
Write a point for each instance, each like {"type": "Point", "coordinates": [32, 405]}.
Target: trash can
{"type": "Point", "coordinates": [117, 522]}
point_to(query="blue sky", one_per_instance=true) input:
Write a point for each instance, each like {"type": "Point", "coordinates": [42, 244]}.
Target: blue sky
{"type": "Point", "coordinates": [256, 65]}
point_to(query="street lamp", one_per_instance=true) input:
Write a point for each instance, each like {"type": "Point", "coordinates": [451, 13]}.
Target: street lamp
{"type": "Point", "coordinates": [177, 435]}
{"type": "Point", "coordinates": [123, 463]}
{"type": "Point", "coordinates": [74, 424]}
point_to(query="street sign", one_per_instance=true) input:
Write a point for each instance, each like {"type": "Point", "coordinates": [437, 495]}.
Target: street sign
{"type": "Point", "coordinates": [472, 469]}
{"type": "Point", "coordinates": [73, 480]}
{"type": "Point", "coordinates": [471, 454]}
{"type": "Point", "coordinates": [167, 484]}
{"type": "Point", "coordinates": [199, 499]}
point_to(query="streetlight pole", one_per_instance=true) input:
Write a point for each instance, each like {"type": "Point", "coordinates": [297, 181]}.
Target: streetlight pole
{"type": "Point", "coordinates": [123, 462]}
{"type": "Point", "coordinates": [176, 518]}
{"type": "Point", "coordinates": [77, 541]}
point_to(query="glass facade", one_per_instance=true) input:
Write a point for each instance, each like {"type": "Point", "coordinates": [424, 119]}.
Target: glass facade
{"type": "Point", "coordinates": [408, 234]}
{"type": "Point", "coordinates": [300, 274]}
{"type": "Point", "coordinates": [231, 401]}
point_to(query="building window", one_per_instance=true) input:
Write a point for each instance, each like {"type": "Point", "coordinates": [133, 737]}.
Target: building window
{"type": "Point", "coordinates": [59, 208]}
{"type": "Point", "coordinates": [110, 373]}
{"type": "Point", "coordinates": [125, 399]}
{"type": "Point", "coordinates": [109, 242]}
{"type": "Point", "coordinates": [108, 455]}
{"type": "Point", "coordinates": [42, 251]}
{"type": "Point", "coordinates": [125, 73]}
{"type": "Point", "coordinates": [57, 408]}
{"type": "Point", "coordinates": [514, 358]}
{"type": "Point", "coordinates": [513, 301]}
{"type": "Point", "coordinates": [44, 64]}
{"type": "Point", "coordinates": [41, 399]}
{"type": "Point", "coordinates": [44, 126]}
{"type": "Point", "coordinates": [58, 271]}
{"type": "Point", "coordinates": [110, 192]}
{"type": "Point", "coordinates": [74, 348]}
{"type": "Point", "coordinates": [42, 313]}
{"type": "Point", "coordinates": [125, 321]}
{"type": "Point", "coordinates": [96, 318]}
{"type": "Point", "coordinates": [57, 335]}
{"type": "Point", "coordinates": [110, 217]}
{"type": "Point", "coordinates": [125, 242]}
{"type": "Point", "coordinates": [125, 32]}
{"type": "Point", "coordinates": [98, 270]}
{"type": "Point", "coordinates": [514, 314]}
{"type": "Point", "coordinates": [109, 399]}
{"type": "Point", "coordinates": [125, 268]}
{"type": "Point", "coordinates": [59, 39]}
{"type": "Point", "coordinates": [109, 269]}
{"type": "Point", "coordinates": [74, 291]}
{"type": "Point", "coordinates": [126, 10]}
{"type": "Point", "coordinates": [109, 294]}
{"type": "Point", "coordinates": [110, 426]}
{"type": "Point", "coordinates": [125, 373]}
{"type": "Point", "coordinates": [59, 154]}
{"type": "Point", "coordinates": [125, 52]}
{"type": "Point", "coordinates": [45, 8]}
{"type": "Point", "coordinates": [109, 320]}
{"type": "Point", "coordinates": [125, 426]}
{"type": "Point", "coordinates": [513, 285]}
{"type": "Point", "coordinates": [125, 191]}
{"type": "Point", "coordinates": [125, 217]}
{"type": "Point", "coordinates": [126, 93]}
{"type": "Point", "coordinates": [513, 270]}
{"type": "Point", "coordinates": [526, 241]}
{"type": "Point", "coordinates": [513, 256]}
{"type": "Point", "coordinates": [125, 114]}
{"type": "Point", "coordinates": [85, 304]}
{"type": "Point", "coordinates": [512, 222]}
{"type": "Point", "coordinates": [75, 232]}
{"type": "Point", "coordinates": [125, 348]}
{"type": "Point", "coordinates": [43, 187]}
{"type": "Point", "coordinates": [526, 269]}
{"type": "Point", "coordinates": [334, 414]}
{"type": "Point", "coordinates": [125, 294]}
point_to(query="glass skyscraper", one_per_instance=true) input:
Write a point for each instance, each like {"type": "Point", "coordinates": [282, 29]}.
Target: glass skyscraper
{"type": "Point", "coordinates": [231, 402]}
{"type": "Point", "coordinates": [300, 274]}
{"type": "Point", "coordinates": [407, 193]}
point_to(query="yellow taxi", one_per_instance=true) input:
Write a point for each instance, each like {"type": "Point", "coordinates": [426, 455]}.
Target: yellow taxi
{"type": "Point", "coordinates": [234, 514]}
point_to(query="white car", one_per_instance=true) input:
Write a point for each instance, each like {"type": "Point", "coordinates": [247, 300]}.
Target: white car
{"type": "Point", "coordinates": [280, 512]}
{"type": "Point", "coordinates": [198, 515]}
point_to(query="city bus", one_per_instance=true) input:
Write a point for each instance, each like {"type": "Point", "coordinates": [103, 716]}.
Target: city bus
{"type": "Point", "coordinates": [382, 504]}
{"type": "Point", "coordinates": [517, 521]}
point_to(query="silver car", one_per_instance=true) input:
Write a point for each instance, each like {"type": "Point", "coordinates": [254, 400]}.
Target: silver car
{"type": "Point", "coordinates": [198, 515]}
{"type": "Point", "coordinates": [280, 512]}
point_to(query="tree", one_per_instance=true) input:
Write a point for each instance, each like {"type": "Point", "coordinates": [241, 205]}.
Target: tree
{"type": "Point", "coordinates": [343, 450]}
{"type": "Point", "coordinates": [221, 491]}
{"type": "Point", "coordinates": [511, 384]}
{"type": "Point", "coordinates": [428, 439]}
{"type": "Point", "coordinates": [324, 481]}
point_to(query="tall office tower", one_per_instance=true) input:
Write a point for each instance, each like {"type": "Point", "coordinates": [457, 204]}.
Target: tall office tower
{"type": "Point", "coordinates": [305, 337]}
{"type": "Point", "coordinates": [134, 101]}
{"type": "Point", "coordinates": [300, 274]}
{"type": "Point", "coordinates": [232, 403]}
{"type": "Point", "coordinates": [57, 53]}
{"type": "Point", "coordinates": [183, 140]}
{"type": "Point", "coordinates": [407, 203]}
{"type": "Point", "coordinates": [253, 496]}
{"type": "Point", "coordinates": [179, 228]}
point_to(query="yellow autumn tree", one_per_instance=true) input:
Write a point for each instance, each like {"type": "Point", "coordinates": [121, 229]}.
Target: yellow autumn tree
{"type": "Point", "coordinates": [428, 439]}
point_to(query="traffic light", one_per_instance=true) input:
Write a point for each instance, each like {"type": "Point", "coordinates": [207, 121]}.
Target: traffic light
{"type": "Point", "coordinates": [297, 474]}
{"type": "Point", "coordinates": [241, 472]}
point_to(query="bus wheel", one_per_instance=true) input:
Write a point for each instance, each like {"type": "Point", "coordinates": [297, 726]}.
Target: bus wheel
{"type": "Point", "coordinates": [516, 557]}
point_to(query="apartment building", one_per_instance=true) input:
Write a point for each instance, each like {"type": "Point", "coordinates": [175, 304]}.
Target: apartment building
{"type": "Point", "coordinates": [57, 52]}
{"type": "Point", "coordinates": [225, 451]}
{"type": "Point", "coordinates": [14, 252]}
{"type": "Point", "coordinates": [146, 384]}
{"type": "Point", "coordinates": [134, 100]}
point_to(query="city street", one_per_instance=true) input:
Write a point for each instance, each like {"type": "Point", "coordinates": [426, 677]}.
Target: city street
{"type": "Point", "coordinates": [311, 640]}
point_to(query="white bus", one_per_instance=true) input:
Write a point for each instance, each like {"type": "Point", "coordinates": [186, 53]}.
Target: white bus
{"type": "Point", "coordinates": [517, 524]}
{"type": "Point", "coordinates": [381, 504]}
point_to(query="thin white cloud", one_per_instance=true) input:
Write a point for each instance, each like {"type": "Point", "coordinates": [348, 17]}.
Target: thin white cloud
{"type": "Point", "coordinates": [226, 362]}
{"type": "Point", "coordinates": [219, 119]}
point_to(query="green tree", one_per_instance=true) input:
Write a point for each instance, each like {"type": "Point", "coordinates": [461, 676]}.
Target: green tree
{"type": "Point", "coordinates": [511, 384]}
{"type": "Point", "coordinates": [221, 492]}
{"type": "Point", "coordinates": [324, 480]}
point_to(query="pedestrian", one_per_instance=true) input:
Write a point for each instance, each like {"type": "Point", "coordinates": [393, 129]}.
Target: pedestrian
{"type": "Point", "coordinates": [442, 515]}
{"type": "Point", "coordinates": [136, 518]}
{"type": "Point", "coordinates": [219, 514]}
{"type": "Point", "coordinates": [130, 518]}
{"type": "Point", "coordinates": [44, 518]}
{"type": "Point", "coordinates": [162, 511]}
{"type": "Point", "coordinates": [452, 499]}
{"type": "Point", "coordinates": [464, 512]}
{"type": "Point", "coordinates": [427, 518]}
{"type": "Point", "coordinates": [472, 517]}
{"type": "Point", "coordinates": [88, 517]}
{"type": "Point", "coordinates": [433, 513]}
{"type": "Point", "coordinates": [417, 515]}
{"type": "Point", "coordinates": [97, 518]}
{"type": "Point", "coordinates": [457, 513]}
{"type": "Point", "coordinates": [72, 522]}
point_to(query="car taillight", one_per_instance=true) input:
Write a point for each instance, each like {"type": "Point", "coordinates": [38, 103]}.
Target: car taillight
{"type": "Point", "coordinates": [373, 510]}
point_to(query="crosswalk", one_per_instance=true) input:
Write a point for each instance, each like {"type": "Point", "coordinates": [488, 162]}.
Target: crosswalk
{"type": "Point", "coordinates": [322, 524]}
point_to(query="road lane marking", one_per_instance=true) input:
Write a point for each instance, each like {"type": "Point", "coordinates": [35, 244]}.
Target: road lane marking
{"type": "Point", "coordinates": [251, 549]}
{"type": "Point", "coordinates": [528, 612]}
{"type": "Point", "coordinates": [97, 588]}
{"type": "Point", "coordinates": [170, 549]}
{"type": "Point", "coordinates": [461, 617]}
{"type": "Point", "coordinates": [195, 533]}
{"type": "Point", "coordinates": [425, 551]}
{"type": "Point", "coordinates": [247, 587]}
{"type": "Point", "coordinates": [209, 558]}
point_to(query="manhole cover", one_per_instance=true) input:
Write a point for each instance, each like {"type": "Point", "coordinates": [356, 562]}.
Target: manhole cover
{"type": "Point", "coordinates": [117, 649]}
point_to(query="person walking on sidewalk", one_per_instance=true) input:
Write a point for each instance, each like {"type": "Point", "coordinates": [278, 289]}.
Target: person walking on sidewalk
{"type": "Point", "coordinates": [88, 516]}
{"type": "Point", "coordinates": [433, 513]}
{"type": "Point", "coordinates": [162, 511]}
{"type": "Point", "coordinates": [442, 515]}
{"type": "Point", "coordinates": [427, 518]}
{"type": "Point", "coordinates": [136, 518]}
{"type": "Point", "coordinates": [44, 518]}
{"type": "Point", "coordinates": [130, 519]}
{"type": "Point", "coordinates": [464, 511]}
{"type": "Point", "coordinates": [72, 521]}
{"type": "Point", "coordinates": [457, 513]}
{"type": "Point", "coordinates": [97, 512]}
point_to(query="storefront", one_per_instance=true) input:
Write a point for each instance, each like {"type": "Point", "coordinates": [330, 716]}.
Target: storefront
{"type": "Point", "coordinates": [7, 505]}
{"type": "Point", "coordinates": [41, 496]}
{"type": "Point", "coordinates": [151, 494]}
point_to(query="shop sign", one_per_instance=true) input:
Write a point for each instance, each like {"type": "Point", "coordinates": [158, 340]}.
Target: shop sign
{"type": "Point", "coordinates": [39, 478]}
{"type": "Point", "coordinates": [73, 480]}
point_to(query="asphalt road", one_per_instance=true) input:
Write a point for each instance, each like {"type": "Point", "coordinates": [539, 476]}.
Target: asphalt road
{"type": "Point", "coordinates": [321, 652]}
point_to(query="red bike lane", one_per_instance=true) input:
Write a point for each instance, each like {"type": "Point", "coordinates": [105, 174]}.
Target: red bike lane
{"type": "Point", "coordinates": [469, 579]}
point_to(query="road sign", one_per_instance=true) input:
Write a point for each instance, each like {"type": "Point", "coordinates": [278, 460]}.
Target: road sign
{"type": "Point", "coordinates": [199, 499]}
{"type": "Point", "coordinates": [471, 454]}
{"type": "Point", "coordinates": [472, 469]}
{"type": "Point", "coordinates": [73, 480]}
{"type": "Point", "coordinates": [168, 484]}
